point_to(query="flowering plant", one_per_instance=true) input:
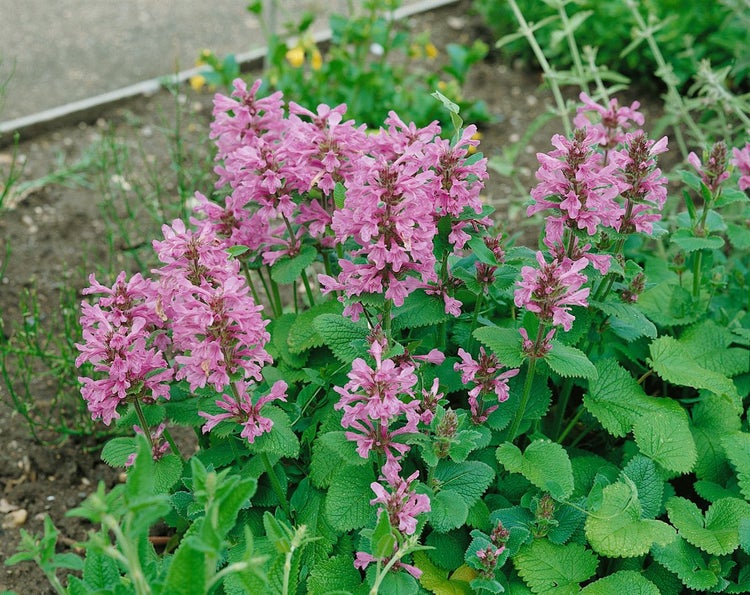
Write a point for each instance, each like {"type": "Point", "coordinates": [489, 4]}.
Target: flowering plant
{"type": "Point", "coordinates": [390, 397]}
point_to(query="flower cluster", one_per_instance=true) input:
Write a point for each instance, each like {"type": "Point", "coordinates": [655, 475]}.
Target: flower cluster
{"type": "Point", "coordinates": [487, 381]}
{"type": "Point", "coordinates": [741, 160]}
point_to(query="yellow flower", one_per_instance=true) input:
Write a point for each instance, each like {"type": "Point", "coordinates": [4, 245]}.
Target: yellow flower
{"type": "Point", "coordinates": [476, 136]}
{"type": "Point", "coordinates": [296, 56]}
{"type": "Point", "coordinates": [431, 50]}
{"type": "Point", "coordinates": [197, 82]}
{"type": "Point", "coordinates": [442, 85]}
{"type": "Point", "coordinates": [316, 60]}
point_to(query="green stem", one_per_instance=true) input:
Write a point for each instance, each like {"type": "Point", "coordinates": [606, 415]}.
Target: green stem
{"type": "Point", "coordinates": [135, 571]}
{"type": "Point", "coordinates": [171, 442]}
{"type": "Point", "coordinates": [276, 485]}
{"type": "Point", "coordinates": [387, 307]}
{"type": "Point", "coordinates": [474, 318]}
{"type": "Point", "coordinates": [308, 289]}
{"type": "Point", "coordinates": [562, 406]}
{"type": "Point", "coordinates": [573, 47]}
{"type": "Point", "coordinates": [697, 263]}
{"type": "Point", "coordinates": [549, 74]}
{"type": "Point", "coordinates": [571, 424]}
{"type": "Point", "coordinates": [524, 399]}
{"type": "Point", "coordinates": [143, 422]}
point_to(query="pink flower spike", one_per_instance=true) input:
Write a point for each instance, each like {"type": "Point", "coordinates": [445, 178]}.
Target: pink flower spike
{"type": "Point", "coordinates": [741, 160]}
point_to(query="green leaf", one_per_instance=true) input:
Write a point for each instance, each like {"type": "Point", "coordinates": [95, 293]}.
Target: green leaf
{"type": "Point", "coordinates": [447, 511]}
{"type": "Point", "coordinates": [739, 236]}
{"type": "Point", "coordinates": [303, 336]}
{"type": "Point", "coordinates": [687, 562]}
{"type": "Point", "coordinates": [336, 574]}
{"type": "Point", "coordinates": [544, 463]}
{"type": "Point", "coordinates": [737, 448]}
{"type": "Point", "coordinates": [436, 580]}
{"type": "Point", "coordinates": [167, 471]}
{"type": "Point", "coordinates": [550, 568]}
{"type": "Point", "coordinates": [505, 343]}
{"type": "Point", "coordinates": [617, 528]}
{"type": "Point", "coordinates": [187, 569]}
{"type": "Point", "coordinates": [339, 195]}
{"type": "Point", "coordinates": [466, 481]}
{"type": "Point", "coordinates": [713, 418]}
{"type": "Point", "coordinates": [570, 362]}
{"type": "Point", "coordinates": [643, 473]}
{"type": "Point", "coordinates": [718, 532]}
{"type": "Point", "coordinates": [418, 310]}
{"type": "Point", "coordinates": [343, 336]}
{"type": "Point", "coordinates": [665, 437]}
{"type": "Point", "coordinates": [331, 451]}
{"type": "Point", "coordinates": [669, 304]}
{"type": "Point", "coordinates": [624, 581]}
{"type": "Point", "coordinates": [672, 361]}
{"type": "Point", "coordinates": [286, 270]}
{"type": "Point", "coordinates": [117, 451]}
{"type": "Point", "coordinates": [628, 316]}
{"type": "Point", "coordinates": [383, 538]}
{"type": "Point", "coordinates": [709, 344]}
{"type": "Point", "coordinates": [100, 572]}
{"type": "Point", "coordinates": [688, 242]}
{"type": "Point", "coordinates": [281, 440]}
{"type": "Point", "coordinates": [347, 504]}
{"type": "Point", "coordinates": [280, 329]}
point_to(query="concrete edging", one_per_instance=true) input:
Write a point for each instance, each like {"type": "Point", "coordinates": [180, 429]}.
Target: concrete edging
{"type": "Point", "coordinates": [86, 110]}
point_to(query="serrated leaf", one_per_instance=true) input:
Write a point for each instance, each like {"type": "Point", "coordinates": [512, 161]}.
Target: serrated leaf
{"type": "Point", "coordinates": [117, 451]}
{"type": "Point", "coordinates": [436, 580]}
{"type": "Point", "coordinates": [665, 437]}
{"type": "Point", "coordinates": [709, 344]}
{"type": "Point", "coordinates": [447, 511]}
{"type": "Point", "coordinates": [281, 441]}
{"type": "Point", "coordinates": [335, 574]}
{"type": "Point", "coordinates": [718, 532]}
{"type": "Point", "coordinates": [448, 548]}
{"type": "Point", "coordinates": [687, 562]}
{"type": "Point", "coordinates": [617, 528]}
{"type": "Point", "coordinates": [629, 316]}
{"type": "Point", "coordinates": [347, 504]}
{"type": "Point", "coordinates": [669, 304]}
{"type": "Point", "coordinates": [550, 568]}
{"type": "Point", "coordinates": [650, 486]}
{"type": "Point", "coordinates": [467, 480]}
{"type": "Point", "coordinates": [100, 572]}
{"type": "Point", "coordinates": [303, 336]}
{"type": "Point", "coordinates": [688, 242]}
{"type": "Point", "coordinates": [737, 448]}
{"type": "Point", "coordinates": [286, 270]}
{"type": "Point", "coordinates": [167, 472]}
{"type": "Point", "coordinates": [419, 310]}
{"type": "Point", "coordinates": [343, 336]}
{"type": "Point", "coordinates": [331, 451]}
{"type": "Point", "coordinates": [672, 361]}
{"type": "Point", "coordinates": [187, 569]}
{"type": "Point", "coordinates": [624, 581]}
{"type": "Point", "coordinates": [339, 195]}
{"type": "Point", "coordinates": [713, 418]}
{"type": "Point", "coordinates": [280, 329]}
{"type": "Point", "coordinates": [505, 343]}
{"type": "Point", "coordinates": [544, 463]}
{"type": "Point", "coordinates": [569, 519]}
{"type": "Point", "coordinates": [570, 362]}
{"type": "Point", "coordinates": [739, 236]}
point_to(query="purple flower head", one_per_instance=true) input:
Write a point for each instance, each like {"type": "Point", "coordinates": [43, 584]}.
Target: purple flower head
{"type": "Point", "coordinates": [362, 560]}
{"type": "Point", "coordinates": [487, 380]}
{"type": "Point", "coordinates": [401, 503]}
{"type": "Point", "coordinates": [159, 446]}
{"type": "Point", "coordinates": [715, 171]}
{"type": "Point", "coordinates": [241, 409]}
{"type": "Point", "coordinates": [574, 184]}
{"type": "Point", "coordinates": [551, 289]}
{"type": "Point", "coordinates": [741, 160]}
{"type": "Point", "coordinates": [610, 124]}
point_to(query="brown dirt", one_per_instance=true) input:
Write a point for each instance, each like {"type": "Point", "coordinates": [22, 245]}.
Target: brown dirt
{"type": "Point", "coordinates": [56, 234]}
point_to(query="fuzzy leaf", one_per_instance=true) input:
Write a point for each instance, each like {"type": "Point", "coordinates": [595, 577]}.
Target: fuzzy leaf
{"type": "Point", "coordinates": [669, 304]}
{"type": "Point", "coordinates": [348, 499]}
{"type": "Point", "coordinates": [335, 574]}
{"type": "Point", "coordinates": [644, 475]}
{"type": "Point", "coordinates": [629, 317]}
{"type": "Point", "coordinates": [117, 451]}
{"type": "Point", "coordinates": [672, 361]}
{"type": "Point", "coordinates": [187, 569]}
{"type": "Point", "coordinates": [737, 448]}
{"type": "Point", "coordinates": [100, 572]}
{"type": "Point", "coordinates": [280, 334]}
{"type": "Point", "coordinates": [617, 528]}
{"type": "Point", "coordinates": [281, 440]}
{"type": "Point", "coordinates": [664, 436]}
{"type": "Point", "coordinates": [616, 399]}
{"type": "Point", "coordinates": [167, 472]}
{"type": "Point", "coordinates": [286, 270]}
{"type": "Point", "coordinates": [713, 418]}
{"type": "Point", "coordinates": [331, 451]}
{"type": "Point", "coordinates": [447, 511]}
{"type": "Point", "coordinates": [687, 242]}
{"type": "Point", "coordinates": [544, 463]}
{"type": "Point", "coordinates": [436, 580]}
{"type": "Point", "coordinates": [718, 532]}
{"type": "Point", "coordinates": [624, 581]}
{"type": "Point", "coordinates": [570, 362]}
{"type": "Point", "coordinates": [466, 481]}
{"type": "Point", "coordinates": [550, 568]}
{"type": "Point", "coordinates": [687, 562]}
{"type": "Point", "coordinates": [419, 309]}
{"type": "Point", "coordinates": [343, 336]}
{"type": "Point", "coordinates": [709, 344]}
{"type": "Point", "coordinates": [503, 342]}
{"type": "Point", "coordinates": [302, 335]}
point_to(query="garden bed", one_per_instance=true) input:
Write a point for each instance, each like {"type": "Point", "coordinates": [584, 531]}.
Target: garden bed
{"type": "Point", "coordinates": [56, 234]}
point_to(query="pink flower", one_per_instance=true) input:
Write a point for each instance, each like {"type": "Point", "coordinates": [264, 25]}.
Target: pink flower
{"type": "Point", "coordinates": [741, 160]}
{"type": "Point", "coordinates": [551, 289]}
{"type": "Point", "coordinates": [159, 447]}
{"type": "Point", "coordinates": [715, 171]}
{"type": "Point", "coordinates": [362, 560]}
{"type": "Point", "coordinates": [401, 503]}
{"type": "Point", "coordinates": [613, 122]}
{"type": "Point", "coordinates": [241, 409]}
{"type": "Point", "coordinates": [487, 381]}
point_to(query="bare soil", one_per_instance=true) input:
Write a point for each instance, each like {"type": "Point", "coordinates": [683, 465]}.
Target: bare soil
{"type": "Point", "coordinates": [57, 234]}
